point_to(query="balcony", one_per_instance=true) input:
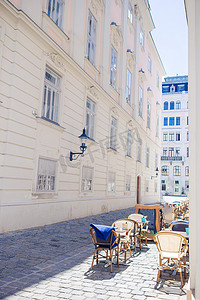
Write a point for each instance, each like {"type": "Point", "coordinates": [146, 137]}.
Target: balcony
{"type": "Point", "coordinates": [171, 158]}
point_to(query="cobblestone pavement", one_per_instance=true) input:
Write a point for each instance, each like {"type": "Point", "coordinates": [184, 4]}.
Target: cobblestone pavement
{"type": "Point", "coordinates": [53, 262]}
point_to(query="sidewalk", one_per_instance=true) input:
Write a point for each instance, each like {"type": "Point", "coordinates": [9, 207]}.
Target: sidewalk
{"type": "Point", "coordinates": [53, 262]}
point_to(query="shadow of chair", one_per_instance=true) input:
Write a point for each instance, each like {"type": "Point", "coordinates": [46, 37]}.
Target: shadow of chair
{"type": "Point", "coordinates": [106, 242]}
{"type": "Point", "coordinates": [172, 248]}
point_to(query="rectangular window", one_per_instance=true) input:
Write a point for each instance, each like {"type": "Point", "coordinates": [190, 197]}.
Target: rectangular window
{"type": "Point", "coordinates": [113, 68]}
{"type": "Point", "coordinates": [148, 115]}
{"type": "Point", "coordinates": [178, 121]}
{"type": "Point", "coordinates": [55, 11]}
{"type": "Point", "coordinates": [149, 64]}
{"type": "Point", "coordinates": [128, 87]}
{"type": "Point", "coordinates": [46, 175]}
{"type": "Point", "coordinates": [165, 171]}
{"type": "Point", "coordinates": [178, 136]}
{"type": "Point", "coordinates": [187, 185]}
{"type": "Point", "coordinates": [187, 171]}
{"type": "Point", "coordinates": [140, 101]}
{"type": "Point", "coordinates": [111, 182]}
{"type": "Point", "coordinates": [187, 120]}
{"type": "Point", "coordinates": [141, 37]}
{"type": "Point", "coordinates": [187, 135]}
{"type": "Point", "coordinates": [165, 136]}
{"type": "Point", "coordinates": [113, 134]}
{"type": "Point", "coordinates": [165, 121]}
{"type": "Point", "coordinates": [129, 143]}
{"type": "Point", "coordinates": [139, 149]}
{"type": "Point", "coordinates": [171, 136]}
{"type": "Point", "coordinates": [176, 182]}
{"type": "Point", "coordinates": [171, 121]}
{"type": "Point", "coordinates": [51, 95]}
{"type": "Point", "coordinates": [178, 151]}
{"type": "Point", "coordinates": [91, 37]}
{"type": "Point", "coordinates": [87, 179]}
{"type": "Point", "coordinates": [130, 14]}
{"type": "Point", "coordinates": [187, 151]}
{"type": "Point", "coordinates": [181, 87]}
{"type": "Point", "coordinates": [177, 171]}
{"type": "Point", "coordinates": [171, 151]}
{"type": "Point", "coordinates": [165, 89]}
{"type": "Point", "coordinates": [90, 118]}
{"type": "Point", "coordinates": [164, 151]}
{"type": "Point", "coordinates": [147, 158]}
{"type": "Point", "coordinates": [128, 183]}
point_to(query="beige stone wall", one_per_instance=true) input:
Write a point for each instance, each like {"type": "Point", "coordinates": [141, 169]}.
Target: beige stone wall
{"type": "Point", "coordinates": [26, 48]}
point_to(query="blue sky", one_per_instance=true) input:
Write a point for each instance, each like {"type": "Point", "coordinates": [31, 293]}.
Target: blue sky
{"type": "Point", "coordinates": [170, 34]}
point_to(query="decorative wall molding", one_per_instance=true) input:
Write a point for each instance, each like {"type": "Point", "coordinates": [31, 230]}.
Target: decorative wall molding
{"type": "Point", "coordinates": [130, 58]}
{"type": "Point", "coordinates": [93, 91]}
{"type": "Point", "coordinates": [116, 34]}
{"type": "Point", "coordinates": [57, 60]}
{"type": "Point", "coordinates": [114, 112]}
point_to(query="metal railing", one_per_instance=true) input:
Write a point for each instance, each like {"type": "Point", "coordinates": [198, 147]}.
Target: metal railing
{"type": "Point", "coordinates": [171, 158]}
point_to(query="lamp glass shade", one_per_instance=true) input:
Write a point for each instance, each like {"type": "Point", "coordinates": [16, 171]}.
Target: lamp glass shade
{"type": "Point", "coordinates": [83, 136]}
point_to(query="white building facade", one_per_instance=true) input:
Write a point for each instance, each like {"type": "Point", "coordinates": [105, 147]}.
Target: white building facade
{"type": "Point", "coordinates": [65, 66]}
{"type": "Point", "coordinates": [175, 136]}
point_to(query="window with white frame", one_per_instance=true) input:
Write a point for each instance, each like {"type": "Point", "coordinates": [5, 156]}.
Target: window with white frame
{"type": "Point", "coordinates": [147, 158]}
{"type": "Point", "coordinates": [156, 187]}
{"type": "Point", "coordinates": [165, 171]}
{"type": "Point", "coordinates": [177, 171]}
{"type": "Point", "coordinates": [111, 182]}
{"type": "Point", "coordinates": [148, 115]}
{"type": "Point", "coordinates": [113, 133]}
{"type": "Point", "coordinates": [171, 136]}
{"type": "Point", "coordinates": [129, 143]}
{"type": "Point", "coordinates": [90, 118]}
{"type": "Point", "coordinates": [91, 37]}
{"type": "Point", "coordinates": [55, 11]}
{"type": "Point", "coordinates": [113, 68]}
{"type": "Point", "coordinates": [141, 36]}
{"type": "Point", "coordinates": [187, 151]}
{"type": "Point", "coordinates": [139, 149]}
{"type": "Point", "coordinates": [46, 175]}
{"type": "Point", "coordinates": [163, 185]}
{"type": "Point", "coordinates": [140, 101]}
{"type": "Point", "coordinates": [165, 136]}
{"type": "Point", "coordinates": [187, 171]}
{"type": "Point", "coordinates": [128, 87]}
{"type": "Point", "coordinates": [128, 183]}
{"type": "Point", "coordinates": [178, 136]}
{"type": "Point", "coordinates": [187, 185]}
{"type": "Point", "coordinates": [149, 64]}
{"type": "Point", "coordinates": [171, 151]}
{"type": "Point", "coordinates": [87, 179]}
{"type": "Point", "coordinates": [51, 97]}
{"type": "Point", "coordinates": [165, 151]}
{"type": "Point", "coordinates": [178, 150]}
{"type": "Point", "coordinates": [130, 13]}
{"type": "Point", "coordinates": [157, 125]}
{"type": "Point", "coordinates": [178, 104]}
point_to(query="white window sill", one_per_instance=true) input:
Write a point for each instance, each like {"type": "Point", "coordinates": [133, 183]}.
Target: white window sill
{"type": "Point", "coordinates": [45, 195]}
{"type": "Point", "coordinates": [49, 123]}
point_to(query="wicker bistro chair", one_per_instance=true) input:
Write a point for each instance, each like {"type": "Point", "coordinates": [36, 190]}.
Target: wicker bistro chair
{"type": "Point", "coordinates": [128, 230]}
{"type": "Point", "coordinates": [172, 248]}
{"type": "Point", "coordinates": [142, 226]}
{"type": "Point", "coordinates": [106, 245]}
{"type": "Point", "coordinates": [179, 225]}
{"type": "Point", "coordinates": [168, 216]}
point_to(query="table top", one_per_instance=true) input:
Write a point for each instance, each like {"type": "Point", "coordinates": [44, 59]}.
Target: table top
{"type": "Point", "coordinates": [183, 233]}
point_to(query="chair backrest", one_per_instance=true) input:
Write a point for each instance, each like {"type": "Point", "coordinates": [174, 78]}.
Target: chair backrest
{"type": "Point", "coordinates": [99, 242]}
{"type": "Point", "coordinates": [126, 224]}
{"type": "Point", "coordinates": [179, 225]}
{"type": "Point", "coordinates": [168, 241]}
{"type": "Point", "coordinates": [136, 217]}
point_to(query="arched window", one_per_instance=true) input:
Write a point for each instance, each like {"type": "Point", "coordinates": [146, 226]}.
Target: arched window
{"type": "Point", "coordinates": [177, 171]}
{"type": "Point", "coordinates": [172, 105]}
{"type": "Point", "coordinates": [165, 170]}
{"type": "Point", "coordinates": [165, 105]}
{"type": "Point", "coordinates": [178, 104]}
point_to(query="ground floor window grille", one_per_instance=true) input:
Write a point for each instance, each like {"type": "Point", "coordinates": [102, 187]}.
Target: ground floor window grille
{"type": "Point", "coordinates": [128, 183]}
{"type": "Point", "coordinates": [87, 179]}
{"type": "Point", "coordinates": [46, 175]}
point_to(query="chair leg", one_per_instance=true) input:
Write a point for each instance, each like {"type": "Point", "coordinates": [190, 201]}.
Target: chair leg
{"type": "Point", "coordinates": [185, 273]}
{"type": "Point", "coordinates": [159, 271]}
{"type": "Point", "coordinates": [179, 264]}
{"type": "Point", "coordinates": [93, 258]}
{"type": "Point", "coordinates": [111, 261]}
{"type": "Point", "coordinates": [129, 249]}
{"type": "Point", "coordinates": [118, 255]}
{"type": "Point", "coordinates": [97, 258]}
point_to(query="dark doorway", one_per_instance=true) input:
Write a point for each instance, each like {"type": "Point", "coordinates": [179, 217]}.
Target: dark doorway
{"type": "Point", "coordinates": [138, 189]}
